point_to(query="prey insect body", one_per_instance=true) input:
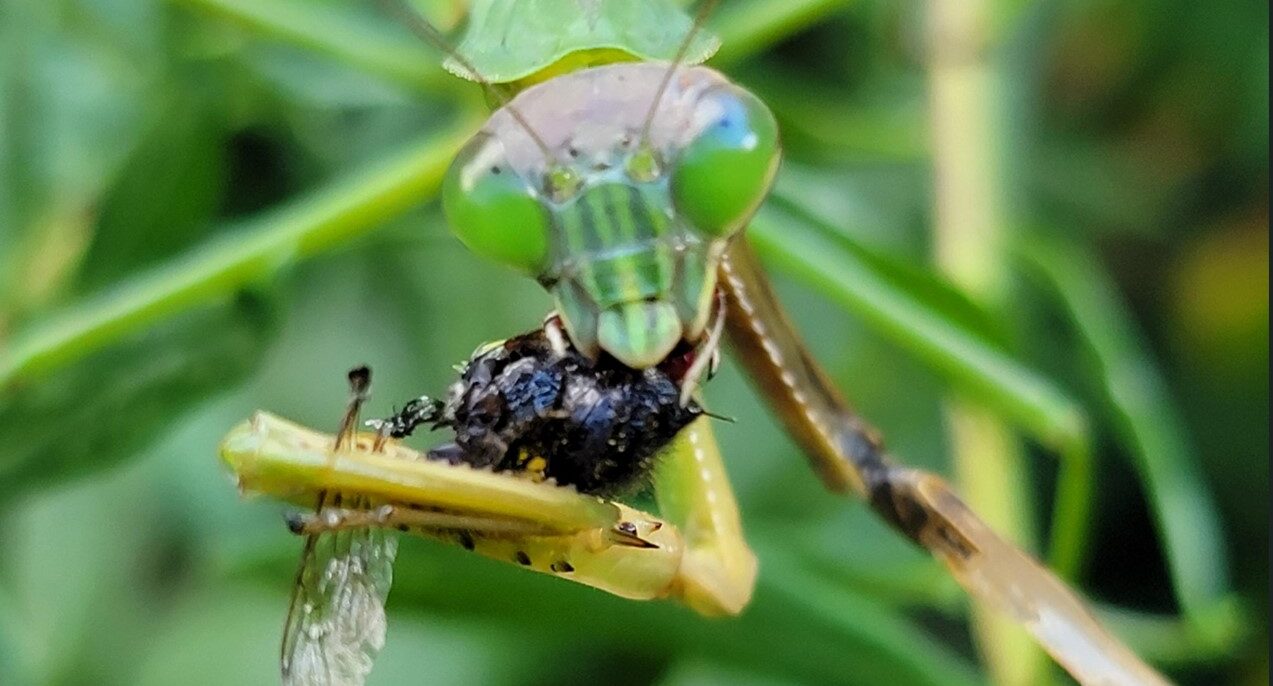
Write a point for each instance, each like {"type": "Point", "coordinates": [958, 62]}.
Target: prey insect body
{"type": "Point", "coordinates": [523, 405]}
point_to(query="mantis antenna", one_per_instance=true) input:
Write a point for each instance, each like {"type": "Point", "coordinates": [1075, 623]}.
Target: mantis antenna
{"type": "Point", "coordinates": [700, 18]}
{"type": "Point", "coordinates": [430, 34]}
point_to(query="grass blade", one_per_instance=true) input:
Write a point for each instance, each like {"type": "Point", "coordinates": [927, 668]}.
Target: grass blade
{"type": "Point", "coordinates": [1146, 422]}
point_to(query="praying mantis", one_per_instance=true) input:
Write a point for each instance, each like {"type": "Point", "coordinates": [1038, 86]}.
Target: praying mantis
{"type": "Point", "coordinates": [622, 179]}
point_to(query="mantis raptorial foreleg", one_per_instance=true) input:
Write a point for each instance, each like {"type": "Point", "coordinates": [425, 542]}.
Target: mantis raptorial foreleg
{"type": "Point", "coordinates": [849, 456]}
{"type": "Point", "coordinates": [694, 552]}
{"type": "Point", "coordinates": [697, 556]}
{"type": "Point", "coordinates": [718, 569]}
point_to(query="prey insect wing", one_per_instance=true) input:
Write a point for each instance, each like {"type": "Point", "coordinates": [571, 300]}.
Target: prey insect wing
{"type": "Point", "coordinates": [337, 624]}
{"type": "Point", "coordinates": [336, 620]}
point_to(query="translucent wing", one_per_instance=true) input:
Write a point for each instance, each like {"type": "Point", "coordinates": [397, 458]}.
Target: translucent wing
{"type": "Point", "coordinates": [336, 622]}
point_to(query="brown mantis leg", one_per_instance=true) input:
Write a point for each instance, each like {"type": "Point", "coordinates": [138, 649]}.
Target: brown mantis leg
{"type": "Point", "coordinates": [846, 453]}
{"type": "Point", "coordinates": [849, 455]}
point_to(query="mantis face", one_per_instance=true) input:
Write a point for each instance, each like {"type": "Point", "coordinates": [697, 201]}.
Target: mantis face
{"type": "Point", "coordinates": [626, 223]}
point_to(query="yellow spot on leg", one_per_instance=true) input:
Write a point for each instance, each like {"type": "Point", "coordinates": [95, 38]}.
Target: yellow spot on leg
{"type": "Point", "coordinates": [536, 467]}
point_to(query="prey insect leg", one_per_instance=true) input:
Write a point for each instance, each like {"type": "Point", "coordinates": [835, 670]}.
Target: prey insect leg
{"type": "Point", "coordinates": [640, 557]}
{"type": "Point", "coordinates": [332, 519]}
{"type": "Point", "coordinates": [422, 410]}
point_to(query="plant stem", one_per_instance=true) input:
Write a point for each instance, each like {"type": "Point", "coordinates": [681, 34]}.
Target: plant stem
{"type": "Point", "coordinates": [968, 232]}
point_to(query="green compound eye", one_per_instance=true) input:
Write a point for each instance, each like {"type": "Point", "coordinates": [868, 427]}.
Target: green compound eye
{"type": "Point", "coordinates": [492, 210]}
{"type": "Point", "coordinates": [724, 174]}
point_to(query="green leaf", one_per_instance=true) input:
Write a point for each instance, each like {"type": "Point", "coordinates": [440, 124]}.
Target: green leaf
{"type": "Point", "coordinates": [1021, 395]}
{"type": "Point", "coordinates": [164, 198]}
{"type": "Point", "coordinates": [71, 109]}
{"type": "Point", "coordinates": [508, 41]}
{"type": "Point", "coordinates": [748, 27]}
{"type": "Point", "coordinates": [1031, 401]}
{"type": "Point", "coordinates": [822, 122]}
{"type": "Point", "coordinates": [922, 284]}
{"type": "Point", "coordinates": [348, 33]}
{"type": "Point", "coordinates": [829, 633]}
{"type": "Point", "coordinates": [694, 671]}
{"type": "Point", "coordinates": [13, 657]}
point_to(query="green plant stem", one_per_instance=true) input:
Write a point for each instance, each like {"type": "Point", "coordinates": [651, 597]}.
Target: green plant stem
{"type": "Point", "coordinates": [312, 224]}
{"type": "Point", "coordinates": [968, 231]}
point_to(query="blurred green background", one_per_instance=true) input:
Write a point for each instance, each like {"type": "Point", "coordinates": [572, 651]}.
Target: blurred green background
{"type": "Point", "coordinates": [1046, 221]}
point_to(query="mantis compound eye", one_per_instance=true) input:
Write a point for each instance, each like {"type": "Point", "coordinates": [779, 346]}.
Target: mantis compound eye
{"type": "Point", "coordinates": [493, 210]}
{"type": "Point", "coordinates": [723, 175]}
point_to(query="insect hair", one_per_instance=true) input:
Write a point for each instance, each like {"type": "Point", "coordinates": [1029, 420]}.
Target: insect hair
{"type": "Point", "coordinates": [431, 35]}
{"type": "Point", "coordinates": [700, 18]}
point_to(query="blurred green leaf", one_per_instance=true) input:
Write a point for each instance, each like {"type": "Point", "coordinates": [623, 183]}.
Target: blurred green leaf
{"type": "Point", "coordinates": [746, 27]}
{"type": "Point", "coordinates": [344, 209]}
{"type": "Point", "coordinates": [1142, 124]}
{"type": "Point", "coordinates": [163, 200]}
{"type": "Point", "coordinates": [693, 671]}
{"type": "Point", "coordinates": [347, 32]}
{"type": "Point", "coordinates": [1030, 400]}
{"type": "Point", "coordinates": [113, 401]}
{"type": "Point", "coordinates": [13, 657]}
{"type": "Point", "coordinates": [238, 631]}
{"type": "Point", "coordinates": [1147, 423]}
{"type": "Point", "coordinates": [813, 632]}
{"type": "Point", "coordinates": [70, 579]}
{"type": "Point", "coordinates": [71, 109]}
{"type": "Point", "coordinates": [242, 621]}
{"type": "Point", "coordinates": [1026, 398]}
{"type": "Point", "coordinates": [796, 195]}
{"type": "Point", "coordinates": [902, 576]}
{"type": "Point", "coordinates": [823, 122]}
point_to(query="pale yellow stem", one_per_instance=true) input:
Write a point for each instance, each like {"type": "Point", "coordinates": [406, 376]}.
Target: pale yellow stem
{"type": "Point", "coordinates": [968, 240]}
